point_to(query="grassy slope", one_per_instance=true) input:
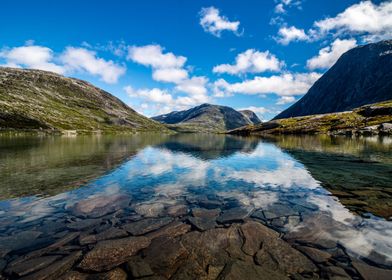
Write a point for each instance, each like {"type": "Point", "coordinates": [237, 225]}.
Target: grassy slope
{"type": "Point", "coordinates": [32, 99]}
{"type": "Point", "coordinates": [334, 123]}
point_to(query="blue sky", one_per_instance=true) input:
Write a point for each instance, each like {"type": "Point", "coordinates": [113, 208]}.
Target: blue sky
{"type": "Point", "coordinates": [159, 56]}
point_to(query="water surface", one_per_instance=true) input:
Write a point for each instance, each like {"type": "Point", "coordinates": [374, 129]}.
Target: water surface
{"type": "Point", "coordinates": [328, 193]}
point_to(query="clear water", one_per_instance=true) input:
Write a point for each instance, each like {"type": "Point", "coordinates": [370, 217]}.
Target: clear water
{"type": "Point", "coordinates": [332, 189]}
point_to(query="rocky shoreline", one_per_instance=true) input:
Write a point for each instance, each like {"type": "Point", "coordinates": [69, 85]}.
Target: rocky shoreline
{"type": "Point", "coordinates": [199, 239]}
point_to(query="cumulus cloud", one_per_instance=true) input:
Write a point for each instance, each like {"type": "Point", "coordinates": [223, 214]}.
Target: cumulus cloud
{"type": "Point", "coordinates": [30, 56]}
{"type": "Point", "coordinates": [170, 75]}
{"type": "Point", "coordinates": [80, 59]}
{"type": "Point", "coordinates": [370, 21]}
{"type": "Point", "coordinates": [69, 61]}
{"type": "Point", "coordinates": [286, 84]}
{"type": "Point", "coordinates": [193, 86]}
{"type": "Point", "coordinates": [281, 5]}
{"type": "Point", "coordinates": [290, 34]}
{"type": "Point", "coordinates": [154, 95]}
{"type": "Point", "coordinates": [251, 61]}
{"type": "Point", "coordinates": [162, 101]}
{"type": "Point", "coordinates": [212, 22]}
{"type": "Point", "coordinates": [153, 56]}
{"type": "Point", "coordinates": [285, 100]}
{"type": "Point", "coordinates": [329, 55]}
{"type": "Point", "coordinates": [366, 18]}
{"type": "Point", "coordinates": [168, 67]}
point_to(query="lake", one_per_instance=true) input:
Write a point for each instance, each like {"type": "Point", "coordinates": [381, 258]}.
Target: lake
{"type": "Point", "coordinates": [190, 206]}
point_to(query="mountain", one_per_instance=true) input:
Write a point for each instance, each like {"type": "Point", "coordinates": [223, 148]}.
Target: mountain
{"type": "Point", "coordinates": [35, 99]}
{"type": "Point", "coordinates": [370, 119]}
{"type": "Point", "coordinates": [207, 118]}
{"type": "Point", "coordinates": [361, 76]}
{"type": "Point", "coordinates": [252, 117]}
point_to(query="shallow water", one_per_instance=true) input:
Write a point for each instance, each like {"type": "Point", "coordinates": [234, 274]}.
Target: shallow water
{"type": "Point", "coordinates": [333, 194]}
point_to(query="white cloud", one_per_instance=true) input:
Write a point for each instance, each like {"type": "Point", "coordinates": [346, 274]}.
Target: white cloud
{"type": "Point", "coordinates": [362, 18]}
{"type": "Point", "coordinates": [251, 61]}
{"type": "Point", "coordinates": [71, 60]}
{"type": "Point", "coordinates": [168, 67]}
{"type": "Point", "coordinates": [289, 34]}
{"type": "Point", "coordinates": [285, 100]}
{"type": "Point", "coordinates": [154, 95]}
{"type": "Point", "coordinates": [80, 59]}
{"type": "Point", "coordinates": [152, 55]}
{"type": "Point", "coordinates": [370, 21]}
{"type": "Point", "coordinates": [34, 57]}
{"type": "Point", "coordinates": [193, 86]}
{"type": "Point", "coordinates": [329, 55]}
{"type": "Point", "coordinates": [170, 75]}
{"type": "Point", "coordinates": [279, 9]}
{"type": "Point", "coordinates": [214, 23]}
{"type": "Point", "coordinates": [287, 84]}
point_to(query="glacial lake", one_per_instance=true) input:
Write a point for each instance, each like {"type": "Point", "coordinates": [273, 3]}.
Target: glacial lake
{"type": "Point", "coordinates": [60, 195]}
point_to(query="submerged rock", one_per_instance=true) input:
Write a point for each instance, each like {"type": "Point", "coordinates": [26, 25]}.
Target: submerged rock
{"type": "Point", "coordinates": [17, 241]}
{"type": "Point", "coordinates": [202, 223]}
{"type": "Point", "coordinates": [237, 214]}
{"type": "Point", "coordinates": [139, 268]}
{"type": "Point", "coordinates": [95, 207]}
{"type": "Point", "coordinates": [150, 210]}
{"type": "Point", "coordinates": [372, 273]}
{"type": "Point", "coordinates": [146, 225]}
{"type": "Point", "coordinates": [110, 233]}
{"type": "Point", "coordinates": [177, 210]}
{"type": "Point", "coordinates": [172, 230]}
{"type": "Point", "coordinates": [29, 266]}
{"type": "Point", "coordinates": [56, 269]}
{"type": "Point", "coordinates": [111, 253]}
{"type": "Point", "coordinates": [165, 255]}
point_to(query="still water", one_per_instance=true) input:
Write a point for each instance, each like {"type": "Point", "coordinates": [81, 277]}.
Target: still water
{"type": "Point", "coordinates": [331, 194]}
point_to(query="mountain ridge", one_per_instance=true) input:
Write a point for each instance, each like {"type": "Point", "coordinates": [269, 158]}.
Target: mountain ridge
{"type": "Point", "coordinates": [41, 100]}
{"type": "Point", "coordinates": [362, 75]}
{"type": "Point", "coordinates": [207, 117]}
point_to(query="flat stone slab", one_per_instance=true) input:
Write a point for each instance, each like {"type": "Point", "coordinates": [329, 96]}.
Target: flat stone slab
{"type": "Point", "coordinates": [202, 223]}
{"type": "Point", "coordinates": [144, 226]}
{"type": "Point", "coordinates": [237, 214]}
{"type": "Point", "coordinates": [30, 266]}
{"type": "Point", "coordinates": [109, 254]}
{"type": "Point", "coordinates": [56, 269]}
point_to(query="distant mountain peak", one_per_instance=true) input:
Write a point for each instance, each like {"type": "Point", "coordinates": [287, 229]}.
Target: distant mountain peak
{"type": "Point", "coordinates": [209, 117]}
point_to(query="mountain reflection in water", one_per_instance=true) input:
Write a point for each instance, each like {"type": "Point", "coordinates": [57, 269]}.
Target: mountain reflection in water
{"type": "Point", "coordinates": [310, 189]}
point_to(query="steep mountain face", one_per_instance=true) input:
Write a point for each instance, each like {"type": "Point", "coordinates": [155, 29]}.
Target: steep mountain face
{"type": "Point", "coordinates": [252, 117]}
{"type": "Point", "coordinates": [361, 76]}
{"type": "Point", "coordinates": [34, 99]}
{"type": "Point", "coordinates": [205, 117]}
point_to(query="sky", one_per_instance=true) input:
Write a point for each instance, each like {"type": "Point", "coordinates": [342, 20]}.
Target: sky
{"type": "Point", "coordinates": [161, 56]}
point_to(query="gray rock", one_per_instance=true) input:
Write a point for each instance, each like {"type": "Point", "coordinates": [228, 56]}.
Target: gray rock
{"type": "Point", "coordinates": [172, 230]}
{"type": "Point", "coordinates": [237, 214]}
{"type": "Point", "coordinates": [84, 224]}
{"type": "Point", "coordinates": [177, 210]}
{"type": "Point", "coordinates": [56, 269]}
{"type": "Point", "coordinates": [205, 213]}
{"type": "Point", "coordinates": [314, 254]}
{"type": "Point", "coordinates": [243, 270]}
{"type": "Point", "coordinates": [29, 266]}
{"type": "Point", "coordinates": [139, 268]}
{"type": "Point", "coordinates": [202, 223]}
{"type": "Point", "coordinates": [110, 233]}
{"type": "Point", "coordinates": [370, 272]}
{"type": "Point", "coordinates": [17, 241]}
{"type": "Point", "coordinates": [100, 206]}
{"type": "Point", "coordinates": [146, 225]}
{"type": "Point", "coordinates": [150, 210]}
{"type": "Point", "coordinates": [165, 255]}
{"type": "Point", "coordinates": [111, 253]}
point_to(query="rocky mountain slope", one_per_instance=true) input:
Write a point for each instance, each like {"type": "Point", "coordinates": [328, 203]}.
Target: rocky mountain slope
{"type": "Point", "coordinates": [361, 76]}
{"type": "Point", "coordinates": [366, 120]}
{"type": "Point", "coordinates": [34, 99]}
{"type": "Point", "coordinates": [207, 118]}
